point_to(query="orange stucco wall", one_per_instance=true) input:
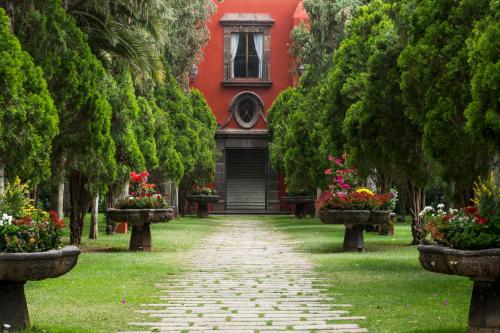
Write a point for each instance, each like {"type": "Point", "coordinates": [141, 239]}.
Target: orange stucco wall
{"type": "Point", "coordinates": [211, 68]}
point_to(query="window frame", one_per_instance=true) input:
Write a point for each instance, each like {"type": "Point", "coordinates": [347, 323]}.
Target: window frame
{"type": "Point", "coordinates": [247, 23]}
{"type": "Point", "coordinates": [247, 56]}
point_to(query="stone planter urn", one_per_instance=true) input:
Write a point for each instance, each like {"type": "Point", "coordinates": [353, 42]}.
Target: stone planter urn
{"type": "Point", "coordinates": [353, 221]}
{"type": "Point", "coordinates": [302, 204]}
{"type": "Point", "coordinates": [17, 268]}
{"type": "Point", "coordinates": [140, 219]}
{"type": "Point", "coordinates": [203, 200]}
{"type": "Point", "coordinates": [483, 267]}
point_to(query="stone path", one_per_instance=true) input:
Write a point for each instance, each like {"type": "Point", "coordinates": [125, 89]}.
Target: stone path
{"type": "Point", "coordinates": [246, 278]}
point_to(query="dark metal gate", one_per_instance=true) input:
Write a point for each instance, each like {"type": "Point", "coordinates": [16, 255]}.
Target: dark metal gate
{"type": "Point", "coordinates": [246, 179]}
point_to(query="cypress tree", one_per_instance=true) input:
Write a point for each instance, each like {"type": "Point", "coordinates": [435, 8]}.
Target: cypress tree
{"type": "Point", "coordinates": [27, 113]}
{"type": "Point", "coordinates": [84, 150]}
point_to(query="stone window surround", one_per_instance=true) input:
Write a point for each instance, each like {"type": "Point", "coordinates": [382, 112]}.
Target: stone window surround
{"type": "Point", "coordinates": [260, 23]}
{"type": "Point", "coordinates": [252, 98]}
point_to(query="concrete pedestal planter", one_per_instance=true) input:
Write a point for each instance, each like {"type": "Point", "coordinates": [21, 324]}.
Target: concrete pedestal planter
{"type": "Point", "coordinates": [301, 203]}
{"type": "Point", "coordinates": [17, 268]}
{"type": "Point", "coordinates": [483, 267]}
{"type": "Point", "coordinates": [203, 200]}
{"type": "Point", "coordinates": [140, 219]}
{"type": "Point", "coordinates": [353, 221]}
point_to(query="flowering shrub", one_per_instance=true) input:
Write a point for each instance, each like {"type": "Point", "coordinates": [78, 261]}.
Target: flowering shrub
{"type": "Point", "coordinates": [472, 228]}
{"type": "Point", "coordinates": [24, 228]}
{"type": "Point", "coordinates": [142, 194]}
{"type": "Point", "coordinates": [197, 190]}
{"type": "Point", "coordinates": [341, 193]}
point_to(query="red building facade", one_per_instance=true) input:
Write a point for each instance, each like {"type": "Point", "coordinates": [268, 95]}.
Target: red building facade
{"type": "Point", "coordinates": [245, 66]}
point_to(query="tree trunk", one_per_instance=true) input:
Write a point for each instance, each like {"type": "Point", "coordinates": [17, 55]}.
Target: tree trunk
{"type": "Point", "coordinates": [115, 193]}
{"type": "Point", "coordinates": [126, 190]}
{"type": "Point", "coordinates": [403, 199]}
{"type": "Point", "coordinates": [2, 179]}
{"type": "Point", "coordinates": [94, 219]}
{"type": "Point", "coordinates": [417, 196]}
{"type": "Point", "coordinates": [57, 199]}
{"type": "Point", "coordinates": [80, 200]}
{"type": "Point", "coordinates": [60, 200]}
{"type": "Point", "coordinates": [318, 194]}
{"type": "Point", "coordinates": [182, 200]}
{"type": "Point", "coordinates": [34, 194]}
{"type": "Point", "coordinates": [384, 182]}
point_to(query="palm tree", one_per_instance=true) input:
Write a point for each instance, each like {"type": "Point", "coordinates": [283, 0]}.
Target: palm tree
{"type": "Point", "coordinates": [125, 32]}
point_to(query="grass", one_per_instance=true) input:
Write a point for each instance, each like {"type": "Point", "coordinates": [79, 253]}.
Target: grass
{"type": "Point", "coordinates": [386, 284]}
{"type": "Point", "coordinates": [109, 283]}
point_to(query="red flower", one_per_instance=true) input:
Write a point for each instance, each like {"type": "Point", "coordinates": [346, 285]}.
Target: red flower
{"type": "Point", "coordinates": [328, 171]}
{"type": "Point", "coordinates": [54, 217]}
{"type": "Point", "coordinates": [139, 178]}
{"type": "Point", "coordinates": [470, 210]}
{"type": "Point", "coordinates": [481, 220]}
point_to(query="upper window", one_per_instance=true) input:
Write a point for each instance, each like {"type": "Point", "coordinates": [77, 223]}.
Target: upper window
{"type": "Point", "coordinates": [246, 55]}
{"type": "Point", "coordinates": [247, 45]}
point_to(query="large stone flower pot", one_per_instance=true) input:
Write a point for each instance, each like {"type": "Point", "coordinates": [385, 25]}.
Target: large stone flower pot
{"type": "Point", "coordinates": [483, 267]}
{"type": "Point", "coordinates": [140, 219]}
{"type": "Point", "coordinates": [203, 200]}
{"type": "Point", "coordinates": [353, 221]}
{"type": "Point", "coordinates": [17, 268]}
{"type": "Point", "coordinates": [301, 203]}
{"type": "Point", "coordinates": [381, 219]}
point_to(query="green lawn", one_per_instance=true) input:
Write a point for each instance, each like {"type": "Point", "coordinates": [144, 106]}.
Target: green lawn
{"type": "Point", "coordinates": [101, 293]}
{"type": "Point", "coordinates": [386, 283]}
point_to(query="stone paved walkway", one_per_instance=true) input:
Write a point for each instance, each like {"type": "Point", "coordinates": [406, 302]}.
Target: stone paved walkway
{"type": "Point", "coordinates": [246, 278]}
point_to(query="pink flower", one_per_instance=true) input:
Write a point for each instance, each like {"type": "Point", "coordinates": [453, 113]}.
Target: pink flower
{"type": "Point", "coordinates": [340, 179]}
{"type": "Point", "coordinates": [328, 171]}
{"type": "Point", "coordinates": [341, 195]}
{"type": "Point", "coordinates": [331, 158]}
{"type": "Point", "coordinates": [338, 161]}
{"type": "Point", "coordinates": [345, 186]}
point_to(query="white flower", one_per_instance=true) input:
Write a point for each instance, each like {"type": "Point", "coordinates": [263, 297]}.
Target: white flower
{"type": "Point", "coordinates": [426, 210]}
{"type": "Point", "coordinates": [6, 219]}
{"type": "Point", "coordinates": [441, 206]}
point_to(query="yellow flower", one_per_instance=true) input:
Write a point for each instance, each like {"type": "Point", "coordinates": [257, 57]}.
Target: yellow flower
{"type": "Point", "coordinates": [364, 190]}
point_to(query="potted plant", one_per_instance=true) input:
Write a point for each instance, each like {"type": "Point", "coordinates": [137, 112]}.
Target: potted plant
{"type": "Point", "coordinates": [343, 204]}
{"type": "Point", "coordinates": [202, 196]}
{"type": "Point", "coordinates": [143, 207]}
{"type": "Point", "coordinates": [302, 202]}
{"type": "Point", "coordinates": [466, 242]}
{"type": "Point", "coordinates": [30, 250]}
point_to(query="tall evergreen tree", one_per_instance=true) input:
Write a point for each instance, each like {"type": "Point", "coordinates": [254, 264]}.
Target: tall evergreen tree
{"type": "Point", "coordinates": [206, 127]}
{"type": "Point", "coordinates": [483, 113]}
{"type": "Point", "coordinates": [145, 132]}
{"type": "Point", "coordinates": [84, 149]}
{"type": "Point", "coordinates": [27, 113]}
{"type": "Point", "coordinates": [436, 87]}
